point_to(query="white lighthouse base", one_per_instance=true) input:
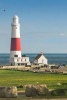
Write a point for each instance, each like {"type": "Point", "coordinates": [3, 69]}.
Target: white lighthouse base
{"type": "Point", "coordinates": [19, 61]}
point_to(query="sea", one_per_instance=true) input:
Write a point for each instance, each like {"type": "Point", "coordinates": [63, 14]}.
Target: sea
{"type": "Point", "coordinates": [53, 58]}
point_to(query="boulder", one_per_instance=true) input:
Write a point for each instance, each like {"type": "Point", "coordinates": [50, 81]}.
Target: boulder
{"type": "Point", "coordinates": [8, 92]}
{"type": "Point", "coordinates": [11, 92]}
{"type": "Point", "coordinates": [28, 90]}
{"type": "Point", "coordinates": [36, 90]}
{"type": "Point", "coordinates": [42, 89]}
{"type": "Point", "coordinates": [31, 90]}
{"type": "Point", "coordinates": [3, 92]}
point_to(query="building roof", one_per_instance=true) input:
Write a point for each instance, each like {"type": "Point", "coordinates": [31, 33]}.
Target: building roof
{"type": "Point", "coordinates": [38, 56]}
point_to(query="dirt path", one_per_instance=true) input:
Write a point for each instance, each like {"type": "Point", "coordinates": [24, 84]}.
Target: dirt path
{"type": "Point", "coordinates": [22, 95]}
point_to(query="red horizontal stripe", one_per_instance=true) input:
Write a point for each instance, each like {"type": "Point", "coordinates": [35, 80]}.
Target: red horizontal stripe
{"type": "Point", "coordinates": [15, 44]}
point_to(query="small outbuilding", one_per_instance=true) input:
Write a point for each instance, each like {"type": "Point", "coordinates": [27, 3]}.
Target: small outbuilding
{"type": "Point", "coordinates": [40, 59]}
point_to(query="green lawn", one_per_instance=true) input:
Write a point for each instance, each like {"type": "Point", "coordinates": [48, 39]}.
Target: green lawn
{"type": "Point", "coordinates": [15, 78]}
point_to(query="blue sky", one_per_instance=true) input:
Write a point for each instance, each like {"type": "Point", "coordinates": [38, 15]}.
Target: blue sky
{"type": "Point", "coordinates": [43, 25]}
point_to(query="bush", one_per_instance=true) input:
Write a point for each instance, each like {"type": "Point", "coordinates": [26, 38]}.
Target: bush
{"type": "Point", "coordinates": [64, 83]}
{"type": "Point", "coordinates": [58, 92]}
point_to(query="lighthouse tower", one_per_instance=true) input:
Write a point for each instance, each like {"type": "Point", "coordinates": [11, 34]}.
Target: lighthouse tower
{"type": "Point", "coordinates": [15, 49]}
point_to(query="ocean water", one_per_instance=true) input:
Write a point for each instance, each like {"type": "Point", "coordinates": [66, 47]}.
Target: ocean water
{"type": "Point", "coordinates": [52, 58]}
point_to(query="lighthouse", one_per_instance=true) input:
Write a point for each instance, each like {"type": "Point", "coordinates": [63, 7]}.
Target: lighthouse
{"type": "Point", "coordinates": [15, 49]}
{"type": "Point", "coordinates": [15, 38]}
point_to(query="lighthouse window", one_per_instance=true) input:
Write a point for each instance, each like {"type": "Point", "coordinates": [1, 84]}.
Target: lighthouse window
{"type": "Point", "coordinates": [15, 55]}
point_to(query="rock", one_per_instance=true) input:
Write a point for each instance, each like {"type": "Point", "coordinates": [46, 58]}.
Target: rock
{"type": "Point", "coordinates": [36, 90]}
{"type": "Point", "coordinates": [28, 90]}
{"type": "Point", "coordinates": [31, 90]}
{"type": "Point", "coordinates": [42, 90]}
{"type": "Point", "coordinates": [8, 92]}
{"type": "Point", "coordinates": [3, 92]}
{"type": "Point", "coordinates": [11, 92]}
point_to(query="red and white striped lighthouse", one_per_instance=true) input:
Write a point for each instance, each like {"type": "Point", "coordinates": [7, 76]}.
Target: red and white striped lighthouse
{"type": "Point", "coordinates": [15, 49]}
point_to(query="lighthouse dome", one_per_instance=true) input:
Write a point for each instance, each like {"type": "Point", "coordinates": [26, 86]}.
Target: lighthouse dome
{"type": "Point", "coordinates": [15, 20]}
{"type": "Point", "coordinates": [16, 16]}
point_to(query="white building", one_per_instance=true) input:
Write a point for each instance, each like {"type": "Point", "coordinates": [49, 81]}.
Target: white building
{"type": "Point", "coordinates": [19, 61]}
{"type": "Point", "coordinates": [40, 59]}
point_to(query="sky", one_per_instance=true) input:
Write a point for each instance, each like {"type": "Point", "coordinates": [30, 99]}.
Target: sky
{"type": "Point", "coordinates": [43, 25]}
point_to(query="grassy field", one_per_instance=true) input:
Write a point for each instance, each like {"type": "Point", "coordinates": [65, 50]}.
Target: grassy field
{"type": "Point", "coordinates": [15, 78]}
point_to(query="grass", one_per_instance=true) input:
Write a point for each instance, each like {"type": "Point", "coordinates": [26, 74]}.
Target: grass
{"type": "Point", "coordinates": [15, 78]}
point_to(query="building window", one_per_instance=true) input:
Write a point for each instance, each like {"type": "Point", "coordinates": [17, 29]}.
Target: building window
{"type": "Point", "coordinates": [17, 59]}
{"type": "Point", "coordinates": [21, 59]}
{"type": "Point", "coordinates": [11, 64]}
{"type": "Point", "coordinates": [18, 64]}
{"type": "Point", "coordinates": [22, 64]}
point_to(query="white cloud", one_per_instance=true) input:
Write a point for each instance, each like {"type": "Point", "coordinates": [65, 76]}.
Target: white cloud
{"type": "Point", "coordinates": [62, 34]}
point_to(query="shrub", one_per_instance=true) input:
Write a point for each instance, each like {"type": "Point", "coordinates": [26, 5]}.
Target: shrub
{"type": "Point", "coordinates": [58, 92]}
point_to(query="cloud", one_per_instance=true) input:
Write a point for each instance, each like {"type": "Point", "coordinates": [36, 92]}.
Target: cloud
{"type": "Point", "coordinates": [61, 34]}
